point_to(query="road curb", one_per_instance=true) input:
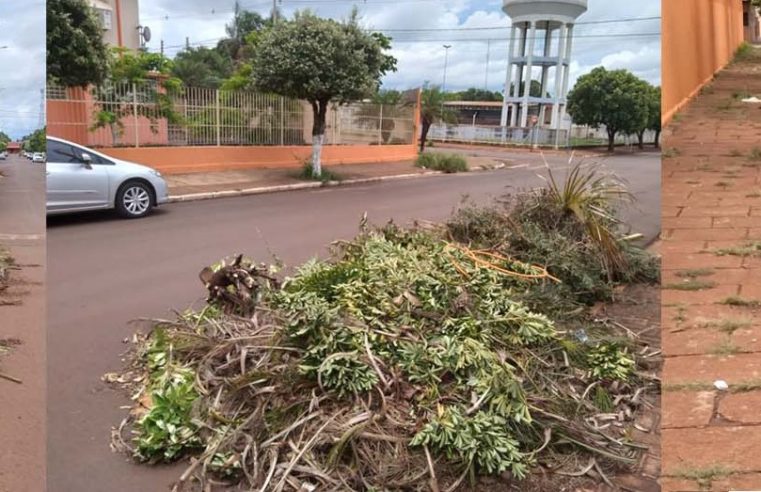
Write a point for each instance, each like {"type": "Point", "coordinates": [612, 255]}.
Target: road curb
{"type": "Point", "coordinates": [190, 197]}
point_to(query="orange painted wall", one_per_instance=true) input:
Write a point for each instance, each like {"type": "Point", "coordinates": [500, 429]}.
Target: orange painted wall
{"type": "Point", "coordinates": [72, 119]}
{"type": "Point", "coordinates": [176, 160]}
{"type": "Point", "coordinates": [699, 37]}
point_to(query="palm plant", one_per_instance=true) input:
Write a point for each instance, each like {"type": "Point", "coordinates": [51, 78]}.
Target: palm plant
{"type": "Point", "coordinates": [432, 109]}
{"type": "Point", "coordinates": [591, 196]}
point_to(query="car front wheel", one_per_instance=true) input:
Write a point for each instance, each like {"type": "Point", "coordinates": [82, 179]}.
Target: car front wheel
{"type": "Point", "coordinates": [134, 200]}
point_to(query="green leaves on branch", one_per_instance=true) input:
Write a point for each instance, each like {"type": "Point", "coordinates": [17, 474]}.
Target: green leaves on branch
{"type": "Point", "coordinates": [610, 361]}
{"type": "Point", "coordinates": [482, 440]}
{"type": "Point", "coordinates": [320, 60]}
{"type": "Point", "coordinates": [76, 53]}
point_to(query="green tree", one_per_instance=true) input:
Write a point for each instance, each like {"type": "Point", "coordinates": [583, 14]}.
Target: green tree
{"type": "Point", "coordinates": [535, 89]}
{"type": "Point", "coordinates": [243, 24]}
{"type": "Point", "coordinates": [35, 141]}
{"type": "Point", "coordinates": [140, 77]}
{"type": "Point", "coordinates": [321, 61]}
{"type": "Point", "coordinates": [475, 94]}
{"type": "Point", "coordinates": [76, 54]}
{"type": "Point", "coordinates": [654, 115]}
{"type": "Point", "coordinates": [4, 138]}
{"type": "Point", "coordinates": [616, 99]}
{"type": "Point", "coordinates": [201, 67]}
{"type": "Point", "coordinates": [432, 110]}
{"type": "Point", "coordinates": [653, 121]}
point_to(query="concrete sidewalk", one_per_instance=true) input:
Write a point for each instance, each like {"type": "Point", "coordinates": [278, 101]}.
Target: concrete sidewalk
{"type": "Point", "coordinates": [223, 183]}
{"type": "Point", "coordinates": [196, 183]}
{"type": "Point", "coordinates": [22, 326]}
{"type": "Point", "coordinates": [712, 287]}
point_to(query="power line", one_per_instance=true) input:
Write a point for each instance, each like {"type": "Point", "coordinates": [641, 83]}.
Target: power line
{"type": "Point", "coordinates": [438, 29]}
{"type": "Point", "coordinates": [202, 43]}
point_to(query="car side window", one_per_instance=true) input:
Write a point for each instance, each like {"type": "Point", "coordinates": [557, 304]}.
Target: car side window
{"type": "Point", "coordinates": [60, 152]}
{"type": "Point", "coordinates": [94, 158]}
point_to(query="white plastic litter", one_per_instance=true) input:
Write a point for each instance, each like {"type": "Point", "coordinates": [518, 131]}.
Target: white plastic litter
{"type": "Point", "coordinates": [721, 385]}
{"type": "Point", "coordinates": [752, 100]}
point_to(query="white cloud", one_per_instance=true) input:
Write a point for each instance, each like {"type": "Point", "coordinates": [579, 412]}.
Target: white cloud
{"type": "Point", "coordinates": [22, 30]}
{"type": "Point", "coordinates": [421, 55]}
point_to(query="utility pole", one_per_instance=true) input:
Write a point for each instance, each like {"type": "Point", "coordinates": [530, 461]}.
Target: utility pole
{"type": "Point", "coordinates": [274, 12]}
{"type": "Point", "coordinates": [187, 42]}
{"type": "Point", "coordinates": [41, 121]}
{"type": "Point", "coordinates": [162, 47]}
{"type": "Point", "coordinates": [446, 59]}
{"type": "Point", "coordinates": [488, 53]}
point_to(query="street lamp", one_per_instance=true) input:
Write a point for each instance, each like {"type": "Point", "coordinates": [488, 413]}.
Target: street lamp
{"type": "Point", "coordinates": [446, 58]}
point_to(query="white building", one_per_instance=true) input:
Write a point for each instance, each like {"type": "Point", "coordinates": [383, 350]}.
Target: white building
{"type": "Point", "coordinates": [541, 43]}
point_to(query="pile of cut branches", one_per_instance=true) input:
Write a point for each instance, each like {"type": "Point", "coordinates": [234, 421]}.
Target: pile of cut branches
{"type": "Point", "coordinates": [405, 362]}
{"type": "Point", "coordinates": [6, 265]}
{"type": "Point", "coordinates": [570, 227]}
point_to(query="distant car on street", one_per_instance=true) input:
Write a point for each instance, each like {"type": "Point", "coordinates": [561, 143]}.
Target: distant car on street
{"type": "Point", "coordinates": [3, 155]}
{"type": "Point", "coordinates": [38, 157]}
{"type": "Point", "coordinates": [79, 179]}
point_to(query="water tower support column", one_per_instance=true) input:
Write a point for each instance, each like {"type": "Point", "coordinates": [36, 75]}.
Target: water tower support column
{"type": "Point", "coordinates": [559, 76]}
{"type": "Point", "coordinates": [545, 71]}
{"type": "Point", "coordinates": [509, 76]}
{"type": "Point", "coordinates": [529, 68]}
{"type": "Point", "coordinates": [567, 71]}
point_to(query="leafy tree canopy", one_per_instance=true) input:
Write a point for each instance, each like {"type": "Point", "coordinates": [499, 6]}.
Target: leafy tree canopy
{"type": "Point", "coordinates": [240, 30]}
{"type": "Point", "coordinates": [4, 138]}
{"type": "Point", "coordinates": [138, 66]}
{"type": "Point", "coordinates": [76, 54]}
{"type": "Point", "coordinates": [474, 94]}
{"type": "Point", "coordinates": [202, 67]}
{"type": "Point", "coordinates": [616, 99]}
{"type": "Point", "coordinates": [35, 141]}
{"type": "Point", "coordinates": [321, 61]}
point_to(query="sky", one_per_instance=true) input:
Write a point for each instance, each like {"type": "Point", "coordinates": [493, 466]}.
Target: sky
{"type": "Point", "coordinates": [22, 65]}
{"type": "Point", "coordinates": [631, 44]}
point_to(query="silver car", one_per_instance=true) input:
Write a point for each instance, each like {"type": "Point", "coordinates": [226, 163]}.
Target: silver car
{"type": "Point", "coordinates": [81, 179]}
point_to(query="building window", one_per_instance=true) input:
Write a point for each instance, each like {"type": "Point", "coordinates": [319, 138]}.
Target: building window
{"type": "Point", "coordinates": [56, 92]}
{"type": "Point", "coordinates": [105, 18]}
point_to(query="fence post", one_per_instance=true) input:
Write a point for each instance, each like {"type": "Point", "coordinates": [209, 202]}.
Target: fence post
{"type": "Point", "coordinates": [380, 125]}
{"type": "Point", "coordinates": [282, 120]}
{"type": "Point", "coordinates": [134, 115]}
{"type": "Point", "coordinates": [219, 141]}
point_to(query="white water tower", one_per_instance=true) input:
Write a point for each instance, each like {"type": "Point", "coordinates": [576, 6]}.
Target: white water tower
{"type": "Point", "coordinates": [541, 40]}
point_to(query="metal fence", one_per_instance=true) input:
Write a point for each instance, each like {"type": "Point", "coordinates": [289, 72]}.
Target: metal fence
{"type": "Point", "coordinates": [138, 115]}
{"type": "Point", "coordinates": [542, 137]}
{"type": "Point", "coordinates": [498, 135]}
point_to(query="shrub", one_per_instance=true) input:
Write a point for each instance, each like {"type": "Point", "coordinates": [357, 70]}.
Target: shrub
{"type": "Point", "coordinates": [536, 227]}
{"type": "Point", "coordinates": [447, 163]}
{"type": "Point", "coordinates": [308, 173]}
{"type": "Point", "coordinates": [427, 161]}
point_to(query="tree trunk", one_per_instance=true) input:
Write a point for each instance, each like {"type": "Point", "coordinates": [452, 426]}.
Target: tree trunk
{"type": "Point", "coordinates": [641, 139]}
{"type": "Point", "coordinates": [319, 112]}
{"type": "Point", "coordinates": [611, 140]}
{"type": "Point", "coordinates": [657, 140]}
{"type": "Point", "coordinates": [424, 134]}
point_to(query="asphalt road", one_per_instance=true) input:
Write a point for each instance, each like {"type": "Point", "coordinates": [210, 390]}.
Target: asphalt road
{"type": "Point", "coordinates": [22, 406]}
{"type": "Point", "coordinates": [105, 272]}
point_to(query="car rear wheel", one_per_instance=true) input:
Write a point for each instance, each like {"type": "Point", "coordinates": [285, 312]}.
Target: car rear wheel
{"type": "Point", "coordinates": [134, 200]}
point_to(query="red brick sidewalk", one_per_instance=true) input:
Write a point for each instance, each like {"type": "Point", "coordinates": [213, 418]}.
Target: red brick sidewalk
{"type": "Point", "coordinates": [712, 287]}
